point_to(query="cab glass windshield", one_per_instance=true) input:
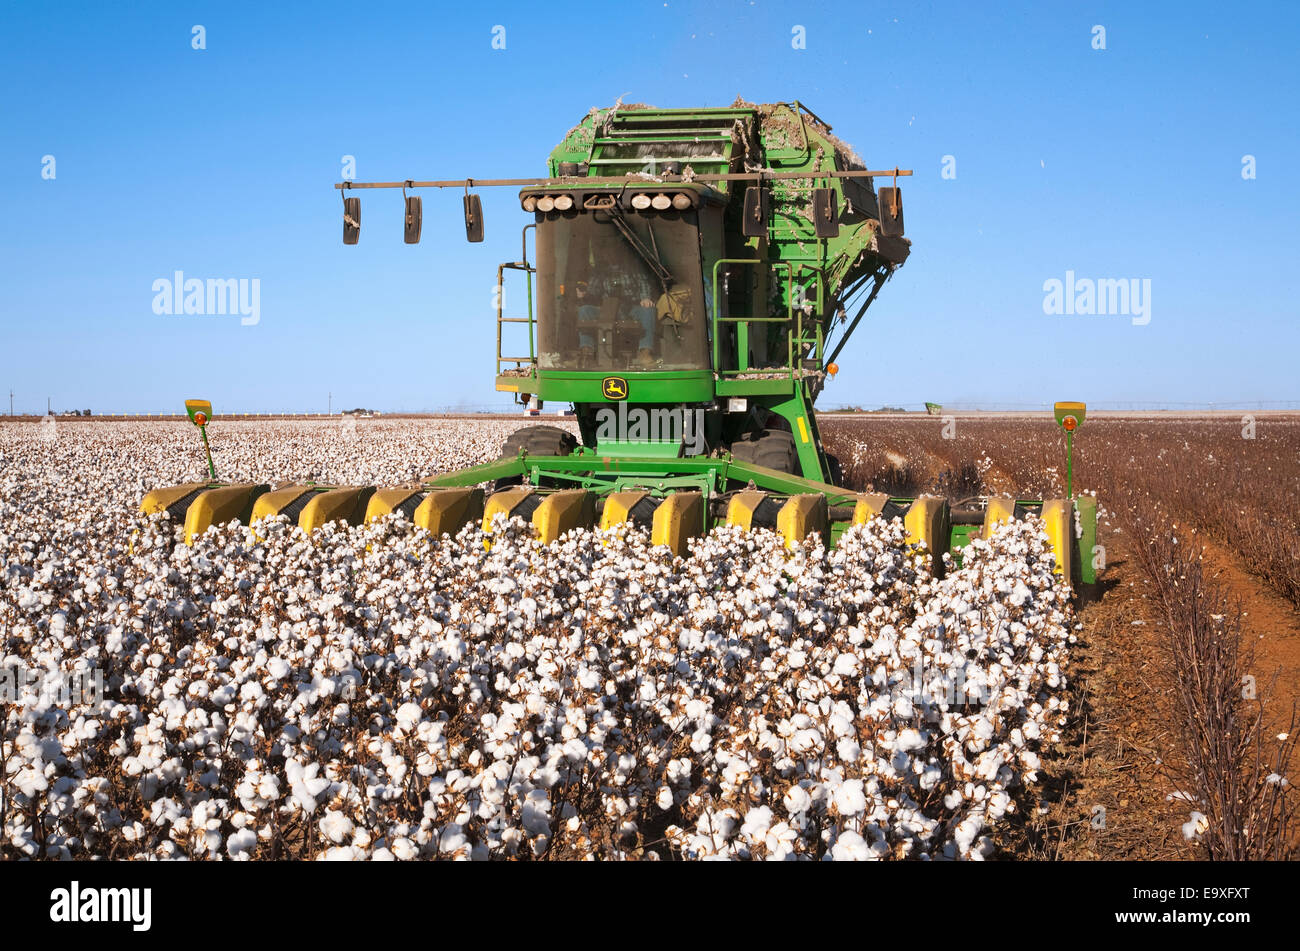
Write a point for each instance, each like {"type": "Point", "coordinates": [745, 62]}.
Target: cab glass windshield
{"type": "Point", "coordinates": [620, 291]}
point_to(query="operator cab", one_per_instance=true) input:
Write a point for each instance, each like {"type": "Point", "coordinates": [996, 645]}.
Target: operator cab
{"type": "Point", "coordinates": [620, 285]}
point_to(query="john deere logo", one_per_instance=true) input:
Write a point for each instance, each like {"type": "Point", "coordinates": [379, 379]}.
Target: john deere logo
{"type": "Point", "coordinates": [614, 388]}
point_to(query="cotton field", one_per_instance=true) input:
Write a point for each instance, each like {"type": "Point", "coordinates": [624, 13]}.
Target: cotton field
{"type": "Point", "coordinates": [374, 692]}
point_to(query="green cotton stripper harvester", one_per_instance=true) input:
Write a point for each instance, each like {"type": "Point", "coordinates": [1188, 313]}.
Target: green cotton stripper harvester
{"type": "Point", "coordinates": [695, 274]}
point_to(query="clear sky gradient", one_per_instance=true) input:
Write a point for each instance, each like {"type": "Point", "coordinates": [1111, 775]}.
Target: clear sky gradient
{"type": "Point", "coordinates": [1117, 163]}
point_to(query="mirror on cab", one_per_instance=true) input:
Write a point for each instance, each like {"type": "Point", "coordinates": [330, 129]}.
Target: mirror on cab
{"type": "Point", "coordinates": [754, 224]}
{"type": "Point", "coordinates": [891, 211]}
{"type": "Point", "coordinates": [414, 218]}
{"type": "Point", "coordinates": [473, 218]}
{"type": "Point", "coordinates": [826, 215]}
{"type": "Point", "coordinates": [351, 220]}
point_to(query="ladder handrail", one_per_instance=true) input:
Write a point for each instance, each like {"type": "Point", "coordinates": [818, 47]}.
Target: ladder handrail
{"type": "Point", "coordinates": [743, 359]}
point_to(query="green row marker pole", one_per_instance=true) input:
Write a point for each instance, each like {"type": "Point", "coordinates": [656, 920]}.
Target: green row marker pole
{"type": "Point", "coordinates": [200, 412]}
{"type": "Point", "coordinates": [1069, 462]}
{"type": "Point", "coordinates": [1070, 416]}
{"type": "Point", "coordinates": [212, 470]}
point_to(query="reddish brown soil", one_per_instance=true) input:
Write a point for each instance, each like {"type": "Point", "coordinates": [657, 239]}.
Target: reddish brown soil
{"type": "Point", "coordinates": [1271, 629]}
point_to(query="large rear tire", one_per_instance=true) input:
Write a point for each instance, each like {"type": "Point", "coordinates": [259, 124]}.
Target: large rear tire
{"type": "Point", "coordinates": [770, 448]}
{"type": "Point", "coordinates": [537, 441]}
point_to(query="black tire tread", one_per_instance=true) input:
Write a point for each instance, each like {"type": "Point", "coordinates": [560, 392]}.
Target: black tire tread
{"type": "Point", "coordinates": [770, 448]}
{"type": "Point", "coordinates": [539, 441]}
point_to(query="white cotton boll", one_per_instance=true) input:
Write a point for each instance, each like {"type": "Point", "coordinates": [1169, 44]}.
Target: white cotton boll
{"type": "Point", "coordinates": [240, 844]}
{"type": "Point", "coordinates": [342, 853]}
{"type": "Point", "coordinates": [305, 784]}
{"type": "Point", "coordinates": [796, 800]}
{"type": "Point", "coordinates": [847, 665]}
{"type": "Point", "coordinates": [848, 751]}
{"type": "Point", "coordinates": [535, 813]}
{"type": "Point", "coordinates": [575, 750]}
{"type": "Point", "coordinates": [903, 708]}
{"type": "Point", "coordinates": [452, 840]}
{"type": "Point", "coordinates": [31, 781]}
{"type": "Point", "coordinates": [909, 739]}
{"type": "Point", "coordinates": [408, 715]}
{"type": "Point", "coordinates": [335, 826]}
{"type": "Point", "coordinates": [404, 849]}
{"type": "Point", "coordinates": [805, 741]}
{"type": "Point", "coordinates": [851, 847]}
{"type": "Point", "coordinates": [1196, 826]}
{"type": "Point", "coordinates": [929, 776]}
{"type": "Point", "coordinates": [965, 833]}
{"type": "Point", "coordinates": [999, 804]}
{"type": "Point", "coordinates": [756, 823]}
{"type": "Point", "coordinates": [665, 798]}
{"type": "Point", "coordinates": [841, 725]}
{"type": "Point", "coordinates": [850, 798]}
{"type": "Point", "coordinates": [718, 825]}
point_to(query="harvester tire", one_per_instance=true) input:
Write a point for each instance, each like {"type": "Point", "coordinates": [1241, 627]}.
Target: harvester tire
{"type": "Point", "coordinates": [770, 448]}
{"type": "Point", "coordinates": [836, 470]}
{"type": "Point", "coordinates": [536, 441]}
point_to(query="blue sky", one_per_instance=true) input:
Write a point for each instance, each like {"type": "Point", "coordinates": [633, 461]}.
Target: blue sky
{"type": "Point", "coordinates": [1117, 163]}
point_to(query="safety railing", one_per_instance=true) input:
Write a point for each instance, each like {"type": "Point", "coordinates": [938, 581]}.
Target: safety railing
{"type": "Point", "coordinates": [522, 265]}
{"type": "Point", "coordinates": [814, 343]}
{"type": "Point", "coordinates": [792, 318]}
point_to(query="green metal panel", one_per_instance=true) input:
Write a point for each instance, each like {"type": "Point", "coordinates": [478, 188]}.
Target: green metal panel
{"type": "Point", "coordinates": [1086, 510]}
{"type": "Point", "coordinates": [959, 538]}
{"type": "Point", "coordinates": [797, 411]}
{"type": "Point", "coordinates": [662, 386]}
{"type": "Point", "coordinates": [640, 449]}
{"type": "Point", "coordinates": [782, 386]}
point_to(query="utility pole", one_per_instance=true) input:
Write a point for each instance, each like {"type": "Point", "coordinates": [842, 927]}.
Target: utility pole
{"type": "Point", "coordinates": [329, 410]}
{"type": "Point", "coordinates": [11, 402]}
{"type": "Point", "coordinates": [47, 406]}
